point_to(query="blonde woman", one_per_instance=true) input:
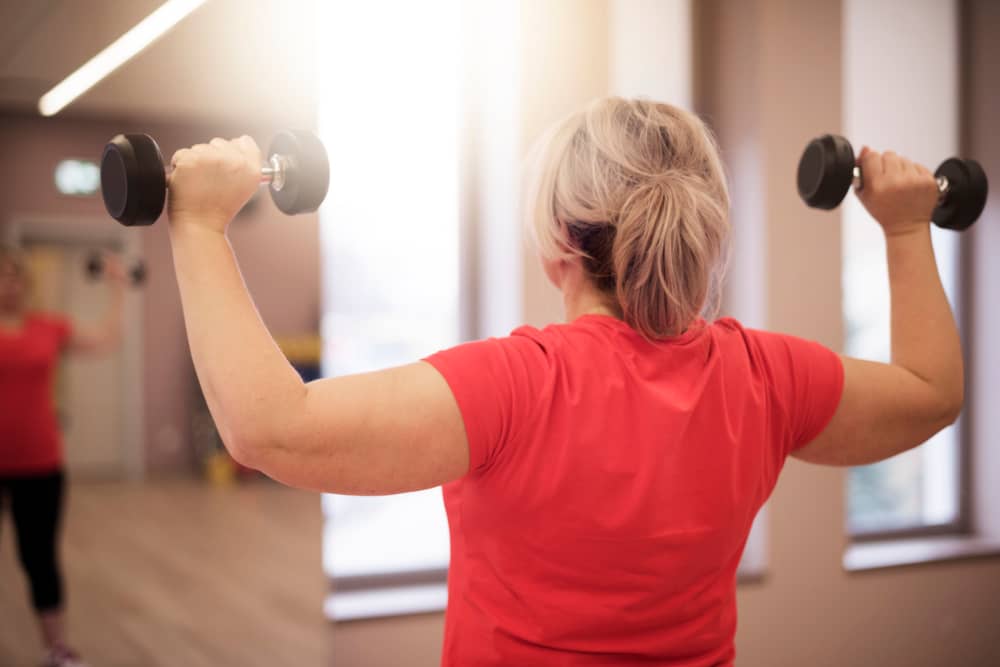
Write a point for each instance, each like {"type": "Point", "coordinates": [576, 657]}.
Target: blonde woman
{"type": "Point", "coordinates": [600, 476]}
{"type": "Point", "coordinates": [32, 480]}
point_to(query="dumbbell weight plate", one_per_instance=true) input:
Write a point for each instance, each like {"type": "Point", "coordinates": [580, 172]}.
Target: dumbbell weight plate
{"type": "Point", "coordinates": [967, 193]}
{"type": "Point", "coordinates": [137, 273]}
{"type": "Point", "coordinates": [133, 181]}
{"type": "Point", "coordinates": [307, 172]}
{"type": "Point", "coordinates": [826, 170]}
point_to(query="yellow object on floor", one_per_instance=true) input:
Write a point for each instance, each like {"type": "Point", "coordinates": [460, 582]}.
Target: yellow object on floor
{"type": "Point", "coordinates": [305, 349]}
{"type": "Point", "coordinates": [220, 470]}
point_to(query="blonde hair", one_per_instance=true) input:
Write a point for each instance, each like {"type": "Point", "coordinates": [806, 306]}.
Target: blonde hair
{"type": "Point", "coordinates": [636, 189]}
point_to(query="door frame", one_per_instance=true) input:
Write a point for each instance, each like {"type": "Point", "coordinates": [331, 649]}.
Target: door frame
{"type": "Point", "coordinates": [90, 230]}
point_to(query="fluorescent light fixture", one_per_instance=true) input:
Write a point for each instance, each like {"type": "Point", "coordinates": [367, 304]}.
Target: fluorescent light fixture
{"type": "Point", "coordinates": [116, 54]}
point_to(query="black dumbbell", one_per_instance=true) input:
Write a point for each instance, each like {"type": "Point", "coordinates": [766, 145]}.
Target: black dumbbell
{"type": "Point", "coordinates": [134, 178]}
{"type": "Point", "coordinates": [828, 168]}
{"type": "Point", "coordinates": [136, 271]}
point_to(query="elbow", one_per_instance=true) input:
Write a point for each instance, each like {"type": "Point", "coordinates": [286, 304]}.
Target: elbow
{"type": "Point", "coordinates": [245, 448]}
{"type": "Point", "coordinates": [949, 408]}
{"type": "Point", "coordinates": [953, 407]}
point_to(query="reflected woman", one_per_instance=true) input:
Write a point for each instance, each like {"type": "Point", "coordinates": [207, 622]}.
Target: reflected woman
{"type": "Point", "coordinates": [32, 480]}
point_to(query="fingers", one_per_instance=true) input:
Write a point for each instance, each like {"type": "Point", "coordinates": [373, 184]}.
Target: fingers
{"type": "Point", "coordinates": [241, 153]}
{"type": "Point", "coordinates": [871, 163]}
{"type": "Point", "coordinates": [877, 166]}
{"type": "Point", "coordinates": [249, 150]}
{"type": "Point", "coordinates": [238, 153]}
{"type": "Point", "coordinates": [180, 156]}
{"type": "Point", "coordinates": [891, 163]}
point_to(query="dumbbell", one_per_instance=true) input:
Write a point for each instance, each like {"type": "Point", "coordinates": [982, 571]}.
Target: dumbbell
{"type": "Point", "coordinates": [134, 178]}
{"type": "Point", "coordinates": [828, 168]}
{"type": "Point", "coordinates": [136, 271]}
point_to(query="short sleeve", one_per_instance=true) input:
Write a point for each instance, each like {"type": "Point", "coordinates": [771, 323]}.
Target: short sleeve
{"type": "Point", "coordinates": [61, 327]}
{"type": "Point", "coordinates": [806, 381]}
{"type": "Point", "coordinates": [496, 384]}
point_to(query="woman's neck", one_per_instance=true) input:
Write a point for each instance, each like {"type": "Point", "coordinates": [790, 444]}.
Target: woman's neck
{"type": "Point", "coordinates": [588, 302]}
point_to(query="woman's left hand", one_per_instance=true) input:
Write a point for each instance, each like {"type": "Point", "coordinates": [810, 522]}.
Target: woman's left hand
{"type": "Point", "coordinates": [211, 182]}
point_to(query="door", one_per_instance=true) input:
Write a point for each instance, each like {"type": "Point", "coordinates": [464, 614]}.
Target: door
{"type": "Point", "coordinates": [88, 389]}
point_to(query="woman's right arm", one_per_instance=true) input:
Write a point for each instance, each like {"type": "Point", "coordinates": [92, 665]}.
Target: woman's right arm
{"type": "Point", "coordinates": [105, 335]}
{"type": "Point", "coordinates": [888, 408]}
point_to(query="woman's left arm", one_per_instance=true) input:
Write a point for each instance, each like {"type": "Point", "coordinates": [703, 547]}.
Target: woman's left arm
{"type": "Point", "coordinates": [104, 336]}
{"type": "Point", "coordinates": [376, 433]}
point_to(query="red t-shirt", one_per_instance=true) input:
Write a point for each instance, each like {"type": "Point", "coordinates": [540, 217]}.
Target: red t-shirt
{"type": "Point", "coordinates": [612, 484]}
{"type": "Point", "coordinates": [29, 432]}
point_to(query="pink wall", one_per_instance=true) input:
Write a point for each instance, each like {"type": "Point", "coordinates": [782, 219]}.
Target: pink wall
{"type": "Point", "coordinates": [279, 257]}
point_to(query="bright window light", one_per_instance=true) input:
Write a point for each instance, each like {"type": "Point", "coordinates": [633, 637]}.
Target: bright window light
{"type": "Point", "coordinates": [920, 488]}
{"type": "Point", "coordinates": [389, 103]}
{"type": "Point", "coordinates": [119, 52]}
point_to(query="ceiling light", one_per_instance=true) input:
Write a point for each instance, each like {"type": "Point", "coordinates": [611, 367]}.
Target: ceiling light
{"type": "Point", "coordinates": [116, 54]}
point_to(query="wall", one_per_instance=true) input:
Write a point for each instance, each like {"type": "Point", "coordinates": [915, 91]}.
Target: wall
{"type": "Point", "coordinates": [981, 141]}
{"type": "Point", "coordinates": [650, 50]}
{"type": "Point", "coordinates": [278, 256]}
{"type": "Point", "coordinates": [768, 78]}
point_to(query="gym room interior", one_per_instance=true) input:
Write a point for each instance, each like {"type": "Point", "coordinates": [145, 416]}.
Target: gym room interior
{"type": "Point", "coordinates": [174, 553]}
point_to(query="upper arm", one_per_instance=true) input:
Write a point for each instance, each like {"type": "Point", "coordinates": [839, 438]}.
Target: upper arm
{"type": "Point", "coordinates": [370, 434]}
{"type": "Point", "coordinates": [411, 427]}
{"type": "Point", "coordinates": [803, 382]}
{"type": "Point", "coordinates": [883, 410]}
{"type": "Point", "coordinates": [84, 341]}
{"type": "Point", "coordinates": [90, 340]}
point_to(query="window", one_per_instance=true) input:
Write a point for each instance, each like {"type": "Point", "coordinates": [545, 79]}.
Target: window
{"type": "Point", "coordinates": [920, 490]}
{"type": "Point", "coordinates": [389, 231]}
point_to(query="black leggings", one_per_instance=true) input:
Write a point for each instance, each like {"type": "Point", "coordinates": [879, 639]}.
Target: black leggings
{"type": "Point", "coordinates": [36, 502]}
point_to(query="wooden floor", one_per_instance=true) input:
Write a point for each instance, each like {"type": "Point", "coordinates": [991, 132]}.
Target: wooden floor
{"type": "Point", "coordinates": [178, 573]}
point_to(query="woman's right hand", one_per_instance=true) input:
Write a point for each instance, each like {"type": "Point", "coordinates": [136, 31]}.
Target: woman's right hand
{"type": "Point", "coordinates": [899, 194]}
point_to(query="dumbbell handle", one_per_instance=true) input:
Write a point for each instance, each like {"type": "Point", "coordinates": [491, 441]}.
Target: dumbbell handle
{"type": "Point", "coordinates": [942, 183]}
{"type": "Point", "coordinates": [273, 173]}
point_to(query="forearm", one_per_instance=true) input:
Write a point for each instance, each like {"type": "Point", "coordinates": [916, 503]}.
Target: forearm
{"type": "Point", "coordinates": [925, 338]}
{"type": "Point", "coordinates": [110, 331]}
{"type": "Point", "coordinates": [246, 380]}
{"type": "Point", "coordinates": [103, 336]}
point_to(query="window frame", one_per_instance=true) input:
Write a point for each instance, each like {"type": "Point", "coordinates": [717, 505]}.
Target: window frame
{"type": "Point", "coordinates": [963, 524]}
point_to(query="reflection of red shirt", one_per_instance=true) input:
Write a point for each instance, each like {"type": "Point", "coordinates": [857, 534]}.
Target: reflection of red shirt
{"type": "Point", "coordinates": [29, 432]}
{"type": "Point", "coordinates": [612, 484]}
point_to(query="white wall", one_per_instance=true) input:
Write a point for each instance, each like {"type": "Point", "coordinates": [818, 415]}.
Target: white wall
{"type": "Point", "coordinates": [650, 54]}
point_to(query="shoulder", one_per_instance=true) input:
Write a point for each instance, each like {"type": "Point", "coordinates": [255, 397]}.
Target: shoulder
{"type": "Point", "coordinates": [790, 361]}
{"type": "Point", "coordinates": [757, 342]}
{"type": "Point", "coordinates": [525, 346]}
{"type": "Point", "coordinates": [54, 322]}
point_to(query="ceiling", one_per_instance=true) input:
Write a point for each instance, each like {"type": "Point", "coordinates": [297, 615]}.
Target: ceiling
{"type": "Point", "coordinates": [247, 59]}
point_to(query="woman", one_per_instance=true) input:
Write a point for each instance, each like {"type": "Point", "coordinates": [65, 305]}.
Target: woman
{"type": "Point", "coordinates": [32, 480]}
{"type": "Point", "coordinates": [600, 476]}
